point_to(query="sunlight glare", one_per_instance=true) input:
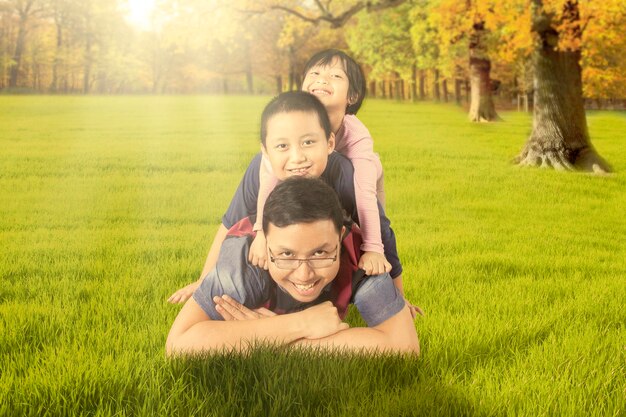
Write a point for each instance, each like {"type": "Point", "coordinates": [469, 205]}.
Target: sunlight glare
{"type": "Point", "coordinates": [139, 12]}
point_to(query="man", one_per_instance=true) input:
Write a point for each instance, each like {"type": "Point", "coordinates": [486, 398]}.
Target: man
{"type": "Point", "coordinates": [312, 276]}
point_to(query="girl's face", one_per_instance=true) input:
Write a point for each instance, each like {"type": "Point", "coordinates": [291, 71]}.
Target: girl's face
{"type": "Point", "coordinates": [329, 84]}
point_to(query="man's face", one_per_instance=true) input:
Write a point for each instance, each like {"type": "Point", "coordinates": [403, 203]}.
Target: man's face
{"type": "Point", "coordinates": [303, 241]}
{"type": "Point", "coordinates": [296, 145]}
{"type": "Point", "coordinates": [329, 84]}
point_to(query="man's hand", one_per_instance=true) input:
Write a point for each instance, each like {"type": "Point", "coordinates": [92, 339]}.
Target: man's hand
{"type": "Point", "coordinates": [184, 293]}
{"type": "Point", "coordinates": [318, 321]}
{"type": "Point", "coordinates": [322, 320]}
{"type": "Point", "coordinates": [374, 263]}
{"type": "Point", "coordinates": [258, 251]}
{"type": "Point", "coordinates": [232, 310]}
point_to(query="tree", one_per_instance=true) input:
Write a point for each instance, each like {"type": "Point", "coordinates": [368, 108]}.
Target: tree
{"type": "Point", "coordinates": [26, 10]}
{"type": "Point", "coordinates": [559, 137]}
{"type": "Point", "coordinates": [383, 42]}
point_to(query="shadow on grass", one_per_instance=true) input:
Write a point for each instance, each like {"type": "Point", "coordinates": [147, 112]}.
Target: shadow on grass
{"type": "Point", "coordinates": [270, 381]}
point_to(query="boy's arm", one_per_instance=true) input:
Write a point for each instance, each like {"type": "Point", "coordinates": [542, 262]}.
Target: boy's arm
{"type": "Point", "coordinates": [243, 204]}
{"type": "Point", "coordinates": [193, 331]}
{"type": "Point", "coordinates": [184, 293]}
{"type": "Point", "coordinates": [267, 182]}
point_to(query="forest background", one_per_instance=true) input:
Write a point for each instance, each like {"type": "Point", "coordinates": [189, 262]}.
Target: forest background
{"type": "Point", "coordinates": [414, 50]}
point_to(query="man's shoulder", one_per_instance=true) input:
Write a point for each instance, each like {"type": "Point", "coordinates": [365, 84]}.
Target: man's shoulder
{"type": "Point", "coordinates": [234, 276]}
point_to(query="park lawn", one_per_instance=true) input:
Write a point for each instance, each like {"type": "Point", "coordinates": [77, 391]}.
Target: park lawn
{"type": "Point", "coordinates": [109, 204]}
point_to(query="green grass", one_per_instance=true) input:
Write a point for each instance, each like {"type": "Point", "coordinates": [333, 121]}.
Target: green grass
{"type": "Point", "coordinates": [109, 204]}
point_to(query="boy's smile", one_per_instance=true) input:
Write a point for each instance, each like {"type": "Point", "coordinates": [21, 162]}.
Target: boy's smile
{"type": "Point", "coordinates": [296, 145]}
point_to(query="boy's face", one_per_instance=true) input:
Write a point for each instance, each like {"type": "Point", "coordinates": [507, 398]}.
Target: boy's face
{"type": "Point", "coordinates": [303, 241]}
{"type": "Point", "coordinates": [296, 145]}
{"type": "Point", "coordinates": [329, 84]}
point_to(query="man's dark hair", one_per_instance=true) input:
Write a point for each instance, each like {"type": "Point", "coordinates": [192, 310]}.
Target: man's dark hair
{"type": "Point", "coordinates": [302, 200]}
{"type": "Point", "coordinates": [292, 101]}
{"type": "Point", "coordinates": [356, 79]}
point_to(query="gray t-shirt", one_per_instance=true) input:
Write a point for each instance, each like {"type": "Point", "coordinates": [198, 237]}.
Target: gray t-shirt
{"type": "Point", "coordinates": [376, 298]}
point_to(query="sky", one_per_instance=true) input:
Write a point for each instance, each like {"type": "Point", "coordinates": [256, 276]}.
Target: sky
{"type": "Point", "coordinates": [139, 13]}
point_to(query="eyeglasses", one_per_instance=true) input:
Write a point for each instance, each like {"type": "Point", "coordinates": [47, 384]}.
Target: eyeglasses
{"type": "Point", "coordinates": [314, 263]}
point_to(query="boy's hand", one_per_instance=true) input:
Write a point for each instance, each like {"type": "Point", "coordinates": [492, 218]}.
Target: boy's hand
{"type": "Point", "coordinates": [415, 310]}
{"type": "Point", "coordinates": [184, 293]}
{"type": "Point", "coordinates": [258, 251]}
{"type": "Point", "coordinates": [232, 310]}
{"type": "Point", "coordinates": [321, 321]}
{"type": "Point", "coordinates": [374, 263]}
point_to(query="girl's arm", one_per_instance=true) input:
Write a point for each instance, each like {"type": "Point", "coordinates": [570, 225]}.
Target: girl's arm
{"type": "Point", "coordinates": [367, 179]}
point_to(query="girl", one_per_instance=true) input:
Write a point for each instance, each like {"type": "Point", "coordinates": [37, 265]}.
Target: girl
{"type": "Point", "coordinates": [338, 82]}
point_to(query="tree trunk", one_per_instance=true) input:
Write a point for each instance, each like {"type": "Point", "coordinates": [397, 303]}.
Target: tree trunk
{"type": "Point", "coordinates": [436, 92]}
{"type": "Point", "coordinates": [19, 50]}
{"type": "Point", "coordinates": [54, 84]}
{"type": "Point", "coordinates": [87, 66]}
{"type": "Point", "coordinates": [482, 108]}
{"type": "Point", "coordinates": [444, 86]}
{"type": "Point", "coordinates": [414, 84]}
{"type": "Point", "coordinates": [279, 84]}
{"type": "Point", "coordinates": [559, 137]}
{"type": "Point", "coordinates": [457, 91]}
{"type": "Point", "coordinates": [372, 89]}
{"type": "Point", "coordinates": [422, 85]}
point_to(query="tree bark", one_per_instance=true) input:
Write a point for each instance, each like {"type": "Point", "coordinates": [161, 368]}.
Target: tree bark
{"type": "Point", "coordinates": [559, 137]}
{"type": "Point", "coordinates": [24, 14]}
{"type": "Point", "coordinates": [422, 85]}
{"type": "Point", "coordinates": [414, 84]}
{"type": "Point", "coordinates": [457, 91]}
{"type": "Point", "coordinates": [436, 92]}
{"type": "Point", "coordinates": [482, 108]}
{"type": "Point", "coordinates": [444, 86]}
{"type": "Point", "coordinates": [279, 84]}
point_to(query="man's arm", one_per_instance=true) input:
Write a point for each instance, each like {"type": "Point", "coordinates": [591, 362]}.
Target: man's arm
{"type": "Point", "coordinates": [193, 330]}
{"type": "Point", "coordinates": [396, 334]}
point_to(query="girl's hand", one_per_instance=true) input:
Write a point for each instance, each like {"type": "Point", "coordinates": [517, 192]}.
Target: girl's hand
{"type": "Point", "coordinates": [258, 251]}
{"type": "Point", "coordinates": [374, 263]}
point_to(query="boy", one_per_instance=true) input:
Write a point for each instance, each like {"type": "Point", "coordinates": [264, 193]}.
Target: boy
{"type": "Point", "coordinates": [296, 138]}
{"type": "Point", "coordinates": [311, 277]}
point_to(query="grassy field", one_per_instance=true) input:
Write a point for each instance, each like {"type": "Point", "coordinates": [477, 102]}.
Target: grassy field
{"type": "Point", "coordinates": [109, 204]}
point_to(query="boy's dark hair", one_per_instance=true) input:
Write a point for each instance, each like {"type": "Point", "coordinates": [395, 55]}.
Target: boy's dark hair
{"type": "Point", "coordinates": [356, 79]}
{"type": "Point", "coordinates": [292, 101]}
{"type": "Point", "coordinates": [302, 200]}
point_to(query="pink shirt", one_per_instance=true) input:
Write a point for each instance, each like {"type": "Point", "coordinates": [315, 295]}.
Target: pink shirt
{"type": "Point", "coordinates": [355, 142]}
